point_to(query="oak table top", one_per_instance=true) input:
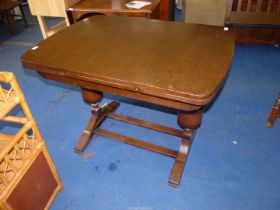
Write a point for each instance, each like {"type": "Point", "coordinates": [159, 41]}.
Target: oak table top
{"type": "Point", "coordinates": [179, 61]}
{"type": "Point", "coordinates": [173, 64]}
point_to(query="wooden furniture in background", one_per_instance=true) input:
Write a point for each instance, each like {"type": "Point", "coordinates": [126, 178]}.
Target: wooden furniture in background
{"type": "Point", "coordinates": [28, 177]}
{"type": "Point", "coordinates": [257, 35]}
{"type": "Point", "coordinates": [86, 8]}
{"type": "Point", "coordinates": [50, 8]}
{"type": "Point", "coordinates": [7, 15]}
{"type": "Point", "coordinates": [177, 65]}
{"type": "Point", "coordinates": [274, 114]}
{"type": "Point", "coordinates": [255, 21]}
{"type": "Point", "coordinates": [167, 10]}
{"type": "Point", "coordinates": [264, 12]}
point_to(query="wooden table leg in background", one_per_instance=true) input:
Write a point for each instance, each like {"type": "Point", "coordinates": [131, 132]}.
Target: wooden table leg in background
{"type": "Point", "coordinates": [275, 113]}
{"type": "Point", "coordinates": [189, 121]}
{"type": "Point", "coordinates": [98, 116]}
{"type": "Point", "coordinates": [9, 21]}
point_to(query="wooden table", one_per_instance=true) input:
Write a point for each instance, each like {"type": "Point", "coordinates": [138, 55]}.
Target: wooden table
{"type": "Point", "coordinates": [7, 16]}
{"type": "Point", "coordinates": [86, 8]}
{"type": "Point", "coordinates": [176, 65]}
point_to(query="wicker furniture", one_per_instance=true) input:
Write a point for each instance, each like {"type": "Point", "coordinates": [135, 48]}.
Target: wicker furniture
{"type": "Point", "coordinates": [274, 114]}
{"type": "Point", "coordinates": [50, 8]}
{"type": "Point", "coordinates": [28, 178]}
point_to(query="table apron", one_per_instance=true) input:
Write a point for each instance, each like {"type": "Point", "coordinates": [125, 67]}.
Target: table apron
{"type": "Point", "coordinates": [122, 92]}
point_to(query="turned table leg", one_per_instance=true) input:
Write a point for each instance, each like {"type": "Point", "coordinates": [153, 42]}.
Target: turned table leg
{"type": "Point", "coordinates": [93, 98]}
{"type": "Point", "coordinates": [97, 118]}
{"type": "Point", "coordinates": [189, 121]}
{"type": "Point", "coordinates": [275, 113]}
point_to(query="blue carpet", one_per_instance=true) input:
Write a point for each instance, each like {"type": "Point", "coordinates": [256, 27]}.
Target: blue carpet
{"type": "Point", "coordinates": [234, 163]}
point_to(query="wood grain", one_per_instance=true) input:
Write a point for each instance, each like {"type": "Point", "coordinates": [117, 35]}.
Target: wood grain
{"type": "Point", "coordinates": [183, 62]}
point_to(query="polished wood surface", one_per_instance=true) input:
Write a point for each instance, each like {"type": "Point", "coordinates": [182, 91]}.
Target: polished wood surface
{"type": "Point", "coordinates": [176, 61]}
{"type": "Point", "coordinates": [178, 65]}
{"type": "Point", "coordinates": [85, 8]}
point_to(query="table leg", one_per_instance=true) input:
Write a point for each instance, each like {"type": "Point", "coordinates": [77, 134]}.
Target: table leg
{"type": "Point", "coordinates": [9, 20]}
{"type": "Point", "coordinates": [23, 15]}
{"type": "Point", "coordinates": [189, 121]}
{"type": "Point", "coordinates": [275, 113]}
{"type": "Point", "coordinates": [98, 116]}
{"type": "Point", "coordinates": [70, 17]}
